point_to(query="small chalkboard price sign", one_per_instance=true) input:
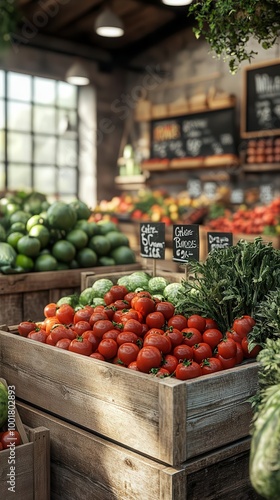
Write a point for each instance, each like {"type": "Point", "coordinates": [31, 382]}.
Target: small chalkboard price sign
{"type": "Point", "coordinates": [152, 240]}
{"type": "Point", "coordinates": [185, 242]}
{"type": "Point", "coordinates": [217, 240]}
{"type": "Point", "coordinates": [260, 113]}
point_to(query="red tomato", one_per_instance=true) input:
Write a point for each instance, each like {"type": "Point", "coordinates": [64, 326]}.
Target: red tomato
{"type": "Point", "coordinates": [119, 292]}
{"type": "Point", "coordinates": [175, 336]}
{"type": "Point", "coordinates": [170, 363]}
{"type": "Point", "coordinates": [127, 353]}
{"type": "Point", "coordinates": [133, 325]}
{"type": "Point", "coordinates": [211, 365]}
{"type": "Point", "coordinates": [111, 334]}
{"type": "Point", "coordinates": [145, 329]}
{"type": "Point", "coordinates": [80, 327]}
{"type": "Point", "coordinates": [178, 321]}
{"type": "Point", "coordinates": [50, 322]}
{"type": "Point", "coordinates": [83, 314]}
{"type": "Point", "coordinates": [250, 319]}
{"type": "Point", "coordinates": [155, 319]}
{"type": "Point", "coordinates": [81, 346]}
{"type": "Point", "coordinates": [109, 311]}
{"type": "Point", "coordinates": [239, 353]}
{"type": "Point", "coordinates": [108, 298]}
{"type": "Point", "coordinates": [97, 316]}
{"type": "Point", "coordinates": [242, 326]}
{"type": "Point", "coordinates": [65, 314]}
{"type": "Point", "coordinates": [197, 321]}
{"type": "Point", "coordinates": [25, 327]}
{"type": "Point", "coordinates": [166, 308]}
{"type": "Point", "coordinates": [158, 331]}
{"type": "Point", "coordinates": [129, 296]}
{"type": "Point", "coordinates": [210, 323]}
{"type": "Point", "coordinates": [227, 348]}
{"type": "Point", "coordinates": [126, 336]}
{"type": "Point", "coordinates": [130, 314]}
{"type": "Point", "coordinates": [39, 335]}
{"type": "Point", "coordinates": [182, 352]}
{"type": "Point", "coordinates": [101, 326]}
{"type": "Point", "coordinates": [63, 344]}
{"type": "Point", "coordinates": [227, 362]}
{"type": "Point", "coordinates": [249, 354]}
{"type": "Point", "coordinates": [89, 335]}
{"type": "Point", "coordinates": [148, 357]}
{"type": "Point", "coordinates": [201, 351]}
{"type": "Point", "coordinates": [61, 332]}
{"type": "Point", "coordinates": [133, 366]}
{"type": "Point", "coordinates": [231, 334]}
{"type": "Point", "coordinates": [162, 342]}
{"type": "Point", "coordinates": [160, 372]}
{"type": "Point", "coordinates": [212, 336]}
{"type": "Point", "coordinates": [97, 355]}
{"type": "Point", "coordinates": [187, 370]}
{"type": "Point", "coordinates": [11, 437]}
{"type": "Point", "coordinates": [108, 348]}
{"type": "Point", "coordinates": [121, 304]}
{"type": "Point", "coordinates": [144, 305]}
{"type": "Point", "coordinates": [138, 296]}
{"type": "Point", "coordinates": [191, 336]}
{"type": "Point", "coordinates": [50, 309]}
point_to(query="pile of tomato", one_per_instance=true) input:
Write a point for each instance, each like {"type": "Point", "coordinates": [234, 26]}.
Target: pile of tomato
{"type": "Point", "coordinates": [137, 332]}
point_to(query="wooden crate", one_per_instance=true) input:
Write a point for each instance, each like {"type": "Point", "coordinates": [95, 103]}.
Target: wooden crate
{"type": "Point", "coordinates": [166, 419]}
{"type": "Point", "coordinates": [29, 468]}
{"type": "Point", "coordinates": [83, 465]}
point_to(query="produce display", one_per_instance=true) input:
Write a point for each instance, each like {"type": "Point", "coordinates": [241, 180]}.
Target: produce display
{"type": "Point", "coordinates": [36, 235]}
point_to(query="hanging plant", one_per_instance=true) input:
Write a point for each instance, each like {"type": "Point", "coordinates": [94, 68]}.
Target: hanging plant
{"type": "Point", "coordinates": [228, 25]}
{"type": "Point", "coordinates": [9, 17]}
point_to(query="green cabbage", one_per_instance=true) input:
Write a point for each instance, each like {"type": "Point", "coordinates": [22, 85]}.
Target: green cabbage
{"type": "Point", "coordinates": [7, 255]}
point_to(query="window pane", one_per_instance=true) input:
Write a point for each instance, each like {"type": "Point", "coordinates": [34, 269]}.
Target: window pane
{"type": "Point", "coordinates": [67, 180]}
{"type": "Point", "coordinates": [19, 116]}
{"type": "Point", "coordinates": [2, 83]}
{"type": "Point", "coordinates": [67, 123]}
{"type": "Point", "coordinates": [19, 147]}
{"type": "Point", "coordinates": [67, 95]}
{"type": "Point", "coordinates": [19, 86]}
{"type": "Point", "coordinates": [2, 176]}
{"type": "Point", "coordinates": [2, 114]}
{"type": "Point", "coordinates": [45, 179]}
{"type": "Point", "coordinates": [67, 153]}
{"type": "Point", "coordinates": [44, 90]}
{"type": "Point", "coordinates": [2, 145]}
{"type": "Point", "coordinates": [44, 119]}
{"type": "Point", "coordinates": [19, 176]}
{"type": "Point", "coordinates": [44, 150]}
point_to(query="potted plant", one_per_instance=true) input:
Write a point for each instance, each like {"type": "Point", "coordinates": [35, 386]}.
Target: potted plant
{"type": "Point", "coordinates": [228, 25]}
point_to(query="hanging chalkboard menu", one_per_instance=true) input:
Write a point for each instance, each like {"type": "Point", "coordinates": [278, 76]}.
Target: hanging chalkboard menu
{"type": "Point", "coordinates": [260, 112]}
{"type": "Point", "coordinates": [152, 240]}
{"type": "Point", "coordinates": [185, 242]}
{"type": "Point", "coordinates": [218, 240]}
{"type": "Point", "coordinates": [203, 134]}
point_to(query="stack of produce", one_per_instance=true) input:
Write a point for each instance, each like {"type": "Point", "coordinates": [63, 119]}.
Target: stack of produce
{"type": "Point", "coordinates": [38, 236]}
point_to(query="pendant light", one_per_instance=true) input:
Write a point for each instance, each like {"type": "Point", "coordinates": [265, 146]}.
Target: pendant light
{"type": "Point", "coordinates": [77, 74]}
{"type": "Point", "coordinates": [108, 24]}
{"type": "Point", "coordinates": [177, 3]}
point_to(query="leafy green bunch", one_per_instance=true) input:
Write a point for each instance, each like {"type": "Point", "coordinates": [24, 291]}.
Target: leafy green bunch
{"type": "Point", "coordinates": [228, 26]}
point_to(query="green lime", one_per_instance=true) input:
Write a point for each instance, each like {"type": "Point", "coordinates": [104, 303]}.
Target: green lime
{"type": "Point", "coordinates": [45, 262]}
{"type": "Point", "coordinates": [85, 226]}
{"type": "Point", "coordinates": [61, 215]}
{"type": "Point", "coordinates": [100, 244]}
{"type": "Point", "coordinates": [81, 209]}
{"type": "Point", "coordinates": [10, 208]}
{"type": "Point", "coordinates": [123, 255]}
{"type": "Point", "coordinates": [13, 238]}
{"type": "Point", "coordinates": [74, 264]}
{"type": "Point", "coordinates": [78, 238]}
{"type": "Point", "coordinates": [106, 261]}
{"type": "Point", "coordinates": [18, 226]}
{"type": "Point", "coordinates": [2, 233]}
{"type": "Point", "coordinates": [42, 233]}
{"type": "Point", "coordinates": [33, 221]}
{"type": "Point", "coordinates": [64, 251]}
{"type": "Point", "coordinates": [106, 225]}
{"type": "Point", "coordinates": [86, 257]}
{"type": "Point", "coordinates": [27, 245]}
{"type": "Point", "coordinates": [19, 216]}
{"type": "Point", "coordinates": [117, 239]}
{"type": "Point", "coordinates": [62, 266]}
{"type": "Point", "coordinates": [25, 262]}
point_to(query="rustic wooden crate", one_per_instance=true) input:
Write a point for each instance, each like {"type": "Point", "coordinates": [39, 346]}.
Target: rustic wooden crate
{"type": "Point", "coordinates": [166, 419]}
{"type": "Point", "coordinates": [32, 467]}
{"type": "Point", "coordinates": [83, 465]}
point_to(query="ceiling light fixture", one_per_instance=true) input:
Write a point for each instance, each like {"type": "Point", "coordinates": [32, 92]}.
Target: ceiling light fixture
{"type": "Point", "coordinates": [77, 75]}
{"type": "Point", "coordinates": [176, 3]}
{"type": "Point", "coordinates": [109, 24]}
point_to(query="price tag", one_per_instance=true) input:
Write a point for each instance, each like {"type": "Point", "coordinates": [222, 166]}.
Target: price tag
{"type": "Point", "coordinates": [266, 194]}
{"type": "Point", "coordinates": [152, 240]}
{"type": "Point", "coordinates": [218, 240]}
{"type": "Point", "coordinates": [194, 188]}
{"type": "Point", "coordinates": [237, 196]}
{"type": "Point", "coordinates": [185, 242]}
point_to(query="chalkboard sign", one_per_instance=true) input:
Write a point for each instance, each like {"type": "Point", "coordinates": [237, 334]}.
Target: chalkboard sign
{"type": "Point", "coordinates": [218, 240]}
{"type": "Point", "coordinates": [260, 112]}
{"type": "Point", "coordinates": [152, 240]}
{"type": "Point", "coordinates": [185, 242]}
{"type": "Point", "coordinates": [195, 135]}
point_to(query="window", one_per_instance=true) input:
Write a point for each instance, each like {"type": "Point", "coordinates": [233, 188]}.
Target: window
{"type": "Point", "coordinates": [38, 135]}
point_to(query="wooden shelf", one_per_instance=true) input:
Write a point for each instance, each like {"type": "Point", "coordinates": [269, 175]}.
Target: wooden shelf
{"type": "Point", "coordinates": [261, 167]}
{"type": "Point", "coordinates": [130, 182]}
